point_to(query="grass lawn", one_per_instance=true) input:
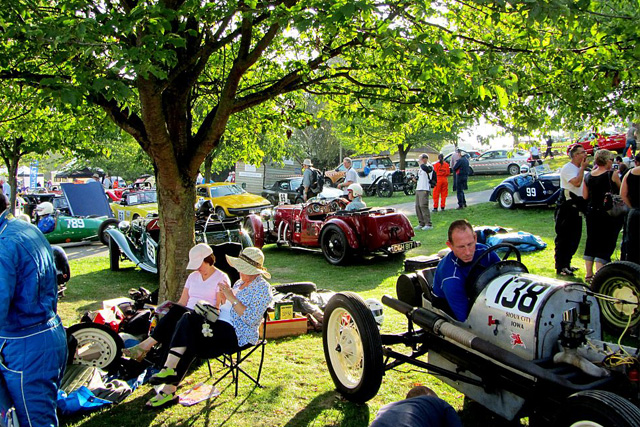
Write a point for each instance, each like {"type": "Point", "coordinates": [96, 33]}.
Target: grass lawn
{"type": "Point", "coordinates": [298, 390]}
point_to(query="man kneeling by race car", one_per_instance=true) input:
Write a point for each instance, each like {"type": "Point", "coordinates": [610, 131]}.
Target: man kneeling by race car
{"type": "Point", "coordinates": [453, 270]}
{"type": "Point", "coordinates": [46, 221]}
{"type": "Point", "coordinates": [354, 194]}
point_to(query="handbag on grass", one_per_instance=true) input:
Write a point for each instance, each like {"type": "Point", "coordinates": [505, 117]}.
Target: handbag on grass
{"type": "Point", "coordinates": [613, 203]}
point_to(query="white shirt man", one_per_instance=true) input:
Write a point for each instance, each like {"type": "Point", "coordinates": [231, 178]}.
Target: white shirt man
{"type": "Point", "coordinates": [351, 177]}
{"type": "Point", "coordinates": [423, 189]}
{"type": "Point", "coordinates": [568, 220]}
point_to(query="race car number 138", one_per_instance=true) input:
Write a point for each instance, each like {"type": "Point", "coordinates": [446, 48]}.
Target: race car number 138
{"type": "Point", "coordinates": [517, 294]}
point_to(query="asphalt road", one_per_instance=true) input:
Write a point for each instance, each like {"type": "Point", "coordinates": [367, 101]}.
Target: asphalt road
{"type": "Point", "coordinates": [452, 202]}
{"type": "Point", "coordinates": [83, 250]}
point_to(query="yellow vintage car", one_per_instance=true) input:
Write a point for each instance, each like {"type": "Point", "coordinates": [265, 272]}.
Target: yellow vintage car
{"type": "Point", "coordinates": [135, 204]}
{"type": "Point", "coordinates": [230, 199]}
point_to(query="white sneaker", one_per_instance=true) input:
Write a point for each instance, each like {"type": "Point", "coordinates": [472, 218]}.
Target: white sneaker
{"type": "Point", "coordinates": [427, 227]}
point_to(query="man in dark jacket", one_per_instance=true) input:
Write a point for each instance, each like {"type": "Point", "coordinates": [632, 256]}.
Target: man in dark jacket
{"type": "Point", "coordinates": [32, 339]}
{"type": "Point", "coordinates": [461, 173]}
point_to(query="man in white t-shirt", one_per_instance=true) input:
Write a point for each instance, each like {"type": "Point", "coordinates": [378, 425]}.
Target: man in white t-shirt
{"type": "Point", "coordinates": [535, 155]}
{"type": "Point", "coordinates": [570, 204]}
{"type": "Point", "coordinates": [351, 177]}
{"type": "Point", "coordinates": [423, 189]}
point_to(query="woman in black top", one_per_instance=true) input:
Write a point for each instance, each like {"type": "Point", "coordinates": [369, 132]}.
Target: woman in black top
{"type": "Point", "coordinates": [630, 193]}
{"type": "Point", "coordinates": [602, 229]}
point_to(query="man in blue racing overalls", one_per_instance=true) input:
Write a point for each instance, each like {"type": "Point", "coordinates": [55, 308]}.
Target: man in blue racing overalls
{"type": "Point", "coordinates": [33, 345]}
{"type": "Point", "coordinates": [453, 270]}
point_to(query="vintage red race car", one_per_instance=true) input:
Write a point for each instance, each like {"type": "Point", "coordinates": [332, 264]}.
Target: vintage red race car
{"type": "Point", "coordinates": [339, 234]}
{"type": "Point", "coordinates": [598, 141]}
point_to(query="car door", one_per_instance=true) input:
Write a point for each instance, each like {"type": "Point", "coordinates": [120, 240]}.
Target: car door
{"type": "Point", "coordinates": [480, 165]}
{"type": "Point", "coordinates": [499, 162]}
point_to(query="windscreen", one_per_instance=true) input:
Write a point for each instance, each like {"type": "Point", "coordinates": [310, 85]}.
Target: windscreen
{"type": "Point", "coordinates": [226, 190]}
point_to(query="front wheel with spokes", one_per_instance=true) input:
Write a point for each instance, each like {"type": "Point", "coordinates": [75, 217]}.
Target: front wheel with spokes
{"type": "Point", "coordinates": [352, 347]}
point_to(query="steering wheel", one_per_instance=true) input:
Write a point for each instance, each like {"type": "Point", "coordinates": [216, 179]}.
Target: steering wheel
{"type": "Point", "coordinates": [337, 205]}
{"type": "Point", "coordinates": [475, 284]}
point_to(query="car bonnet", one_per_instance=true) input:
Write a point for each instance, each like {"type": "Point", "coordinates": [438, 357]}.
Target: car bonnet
{"type": "Point", "coordinates": [86, 199]}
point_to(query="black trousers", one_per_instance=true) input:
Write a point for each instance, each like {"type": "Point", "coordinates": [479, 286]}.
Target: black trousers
{"type": "Point", "coordinates": [188, 333]}
{"type": "Point", "coordinates": [568, 233]}
{"type": "Point", "coordinates": [167, 324]}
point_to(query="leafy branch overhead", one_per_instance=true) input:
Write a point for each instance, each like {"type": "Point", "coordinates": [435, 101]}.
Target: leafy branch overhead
{"type": "Point", "coordinates": [183, 76]}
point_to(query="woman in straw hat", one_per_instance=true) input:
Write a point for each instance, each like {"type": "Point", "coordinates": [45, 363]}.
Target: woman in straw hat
{"type": "Point", "coordinates": [241, 310]}
{"type": "Point", "coordinates": [201, 285]}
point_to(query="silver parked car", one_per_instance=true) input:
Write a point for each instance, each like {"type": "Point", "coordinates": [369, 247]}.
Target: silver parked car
{"type": "Point", "coordinates": [499, 161]}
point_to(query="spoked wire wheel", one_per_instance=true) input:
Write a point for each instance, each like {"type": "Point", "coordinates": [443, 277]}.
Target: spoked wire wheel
{"type": "Point", "coordinates": [352, 347]}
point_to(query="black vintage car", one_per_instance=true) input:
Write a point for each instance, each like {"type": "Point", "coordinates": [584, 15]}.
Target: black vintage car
{"type": "Point", "coordinates": [287, 188]}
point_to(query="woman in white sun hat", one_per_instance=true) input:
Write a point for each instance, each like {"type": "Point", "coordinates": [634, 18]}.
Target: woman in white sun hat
{"type": "Point", "coordinates": [241, 310]}
{"type": "Point", "coordinates": [201, 285]}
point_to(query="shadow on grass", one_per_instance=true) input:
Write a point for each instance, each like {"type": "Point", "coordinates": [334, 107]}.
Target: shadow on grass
{"type": "Point", "coordinates": [329, 409]}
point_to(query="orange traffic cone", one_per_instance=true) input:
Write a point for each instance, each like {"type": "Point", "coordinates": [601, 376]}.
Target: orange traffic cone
{"type": "Point", "coordinates": [629, 153]}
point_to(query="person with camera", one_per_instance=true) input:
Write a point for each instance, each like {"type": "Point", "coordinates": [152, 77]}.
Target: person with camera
{"type": "Point", "coordinates": [569, 210]}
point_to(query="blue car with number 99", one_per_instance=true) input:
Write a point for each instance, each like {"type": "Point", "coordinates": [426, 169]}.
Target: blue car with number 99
{"type": "Point", "coordinates": [534, 186]}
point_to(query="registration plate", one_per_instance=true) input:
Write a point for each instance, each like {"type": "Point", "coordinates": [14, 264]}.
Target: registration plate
{"type": "Point", "coordinates": [402, 247]}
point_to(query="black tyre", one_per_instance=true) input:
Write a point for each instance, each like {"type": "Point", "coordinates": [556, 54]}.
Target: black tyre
{"type": "Point", "coordinates": [409, 188]}
{"type": "Point", "coordinates": [385, 188]}
{"type": "Point", "coordinates": [370, 190]}
{"type": "Point", "coordinates": [505, 199]}
{"type": "Point", "coordinates": [352, 347]}
{"type": "Point", "coordinates": [114, 255]}
{"type": "Point", "coordinates": [621, 280]}
{"type": "Point", "coordinates": [328, 182]}
{"type": "Point", "coordinates": [98, 345]}
{"type": "Point", "coordinates": [598, 408]}
{"type": "Point", "coordinates": [513, 169]}
{"type": "Point", "coordinates": [300, 288]}
{"type": "Point", "coordinates": [299, 200]}
{"type": "Point", "coordinates": [220, 213]}
{"type": "Point", "coordinates": [106, 224]}
{"type": "Point", "coordinates": [334, 244]}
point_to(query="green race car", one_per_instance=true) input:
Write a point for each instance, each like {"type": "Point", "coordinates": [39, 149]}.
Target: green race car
{"type": "Point", "coordinates": [81, 213]}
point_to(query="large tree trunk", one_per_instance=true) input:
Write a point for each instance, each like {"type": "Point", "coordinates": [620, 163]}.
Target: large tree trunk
{"type": "Point", "coordinates": [176, 197]}
{"type": "Point", "coordinates": [402, 154]}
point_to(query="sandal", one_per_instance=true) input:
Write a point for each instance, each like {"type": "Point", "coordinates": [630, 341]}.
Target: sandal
{"type": "Point", "coordinates": [161, 400]}
{"type": "Point", "coordinates": [588, 279]}
{"type": "Point", "coordinates": [165, 376]}
{"type": "Point", "coordinates": [136, 353]}
{"type": "Point", "coordinates": [565, 272]}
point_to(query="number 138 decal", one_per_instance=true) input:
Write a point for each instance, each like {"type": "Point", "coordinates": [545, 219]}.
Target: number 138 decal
{"type": "Point", "coordinates": [517, 294]}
